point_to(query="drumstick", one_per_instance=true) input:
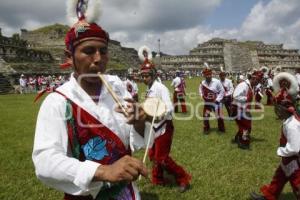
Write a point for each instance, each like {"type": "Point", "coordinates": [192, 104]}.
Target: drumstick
{"type": "Point", "coordinates": [150, 136]}
{"type": "Point", "coordinates": [113, 94]}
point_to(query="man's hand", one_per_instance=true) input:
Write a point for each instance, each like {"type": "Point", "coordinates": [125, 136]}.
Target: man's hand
{"type": "Point", "coordinates": [134, 110]}
{"type": "Point", "coordinates": [125, 169]}
{"type": "Point", "coordinates": [136, 115]}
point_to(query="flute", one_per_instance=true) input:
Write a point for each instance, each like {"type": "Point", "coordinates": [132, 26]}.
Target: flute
{"type": "Point", "coordinates": [113, 94]}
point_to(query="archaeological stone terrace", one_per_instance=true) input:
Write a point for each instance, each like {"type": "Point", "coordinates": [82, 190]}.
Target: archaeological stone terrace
{"type": "Point", "coordinates": [40, 51]}
{"type": "Point", "coordinates": [235, 56]}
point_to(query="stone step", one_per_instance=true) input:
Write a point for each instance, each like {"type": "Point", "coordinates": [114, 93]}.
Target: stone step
{"type": "Point", "coordinates": [5, 86]}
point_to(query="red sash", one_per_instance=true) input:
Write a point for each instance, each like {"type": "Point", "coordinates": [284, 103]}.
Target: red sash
{"type": "Point", "coordinates": [91, 140]}
{"type": "Point", "coordinates": [208, 94]}
{"type": "Point", "coordinates": [225, 88]}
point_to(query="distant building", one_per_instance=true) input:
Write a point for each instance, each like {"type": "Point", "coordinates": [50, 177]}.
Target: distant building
{"type": "Point", "coordinates": [234, 56]}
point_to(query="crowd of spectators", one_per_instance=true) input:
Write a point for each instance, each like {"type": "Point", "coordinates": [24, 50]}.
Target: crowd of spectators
{"type": "Point", "coordinates": [35, 83]}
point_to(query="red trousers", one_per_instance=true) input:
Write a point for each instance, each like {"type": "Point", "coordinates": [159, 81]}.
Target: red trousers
{"type": "Point", "coordinates": [244, 123]}
{"type": "Point", "coordinates": [159, 154]}
{"type": "Point", "coordinates": [206, 114]}
{"type": "Point", "coordinates": [178, 98]}
{"type": "Point", "coordinates": [257, 101]}
{"type": "Point", "coordinates": [274, 189]}
{"type": "Point", "coordinates": [269, 97]}
{"type": "Point", "coordinates": [227, 100]}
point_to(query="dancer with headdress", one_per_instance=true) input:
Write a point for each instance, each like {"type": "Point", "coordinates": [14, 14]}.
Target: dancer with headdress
{"type": "Point", "coordinates": [131, 85]}
{"type": "Point", "coordinates": [228, 87]}
{"type": "Point", "coordinates": [286, 109]}
{"type": "Point", "coordinates": [179, 92]}
{"type": "Point", "coordinates": [241, 105]}
{"type": "Point", "coordinates": [83, 142]}
{"type": "Point", "coordinates": [159, 154]}
{"type": "Point", "coordinates": [258, 95]}
{"type": "Point", "coordinates": [212, 92]}
{"type": "Point", "coordinates": [268, 84]}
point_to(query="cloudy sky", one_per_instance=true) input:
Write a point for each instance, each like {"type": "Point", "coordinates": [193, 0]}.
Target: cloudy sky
{"type": "Point", "coordinates": [180, 25]}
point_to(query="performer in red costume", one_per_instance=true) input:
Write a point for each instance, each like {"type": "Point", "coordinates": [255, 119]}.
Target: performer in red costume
{"type": "Point", "coordinates": [228, 87]}
{"type": "Point", "coordinates": [242, 98]}
{"type": "Point", "coordinates": [83, 142]}
{"type": "Point", "coordinates": [160, 152]}
{"type": "Point", "coordinates": [212, 92]}
{"type": "Point", "coordinates": [179, 92]}
{"type": "Point", "coordinates": [286, 87]}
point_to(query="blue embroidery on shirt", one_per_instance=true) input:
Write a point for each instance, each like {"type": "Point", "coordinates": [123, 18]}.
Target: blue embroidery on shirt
{"type": "Point", "coordinates": [95, 149]}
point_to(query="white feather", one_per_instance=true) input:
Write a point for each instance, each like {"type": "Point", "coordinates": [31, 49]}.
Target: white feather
{"type": "Point", "coordinates": [92, 14]}
{"type": "Point", "coordinates": [140, 53]}
{"type": "Point", "coordinates": [265, 70]}
{"type": "Point", "coordinates": [206, 65]}
{"type": "Point", "coordinates": [71, 12]}
{"type": "Point", "coordinates": [94, 11]}
{"type": "Point", "coordinates": [294, 88]}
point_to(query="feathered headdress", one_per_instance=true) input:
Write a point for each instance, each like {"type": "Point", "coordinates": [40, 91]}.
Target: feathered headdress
{"type": "Point", "coordinates": [286, 81]}
{"type": "Point", "coordinates": [145, 53]}
{"type": "Point", "coordinates": [276, 70]}
{"type": "Point", "coordinates": [286, 88]}
{"type": "Point", "coordinates": [222, 71]}
{"type": "Point", "coordinates": [264, 69]}
{"type": "Point", "coordinates": [90, 10]}
{"type": "Point", "coordinates": [145, 56]}
{"type": "Point", "coordinates": [83, 14]}
{"type": "Point", "coordinates": [206, 70]}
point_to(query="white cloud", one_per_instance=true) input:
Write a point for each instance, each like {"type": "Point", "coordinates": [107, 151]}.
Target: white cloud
{"type": "Point", "coordinates": [178, 24]}
{"type": "Point", "coordinates": [273, 22]}
{"type": "Point", "coordinates": [156, 15]}
{"type": "Point", "coordinates": [277, 21]}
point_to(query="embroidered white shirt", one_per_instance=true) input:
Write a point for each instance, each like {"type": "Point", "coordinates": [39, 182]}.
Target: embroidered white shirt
{"type": "Point", "coordinates": [216, 86]}
{"type": "Point", "coordinates": [159, 90]}
{"type": "Point", "coordinates": [291, 130]}
{"type": "Point", "coordinates": [227, 83]}
{"type": "Point", "coordinates": [54, 164]}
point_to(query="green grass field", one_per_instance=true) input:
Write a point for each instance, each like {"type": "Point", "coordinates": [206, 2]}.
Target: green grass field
{"type": "Point", "coordinates": [220, 170]}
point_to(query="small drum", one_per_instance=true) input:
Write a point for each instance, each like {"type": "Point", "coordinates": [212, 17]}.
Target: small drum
{"type": "Point", "coordinates": [154, 107]}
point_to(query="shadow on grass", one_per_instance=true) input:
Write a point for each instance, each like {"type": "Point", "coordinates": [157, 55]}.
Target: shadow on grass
{"type": "Point", "coordinates": [287, 196]}
{"type": "Point", "coordinates": [213, 131]}
{"type": "Point", "coordinates": [283, 196]}
{"type": "Point", "coordinates": [149, 196]}
{"type": "Point", "coordinates": [254, 139]}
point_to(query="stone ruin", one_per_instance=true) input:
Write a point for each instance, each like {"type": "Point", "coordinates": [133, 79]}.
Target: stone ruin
{"type": "Point", "coordinates": [15, 55]}
{"type": "Point", "coordinates": [39, 52]}
{"type": "Point", "coordinates": [234, 56]}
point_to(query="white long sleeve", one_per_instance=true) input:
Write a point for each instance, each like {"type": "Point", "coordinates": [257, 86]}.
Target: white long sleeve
{"type": "Point", "coordinates": [291, 130]}
{"type": "Point", "coordinates": [228, 87]}
{"type": "Point", "coordinates": [214, 86]}
{"type": "Point", "coordinates": [176, 82]}
{"type": "Point", "coordinates": [51, 156]}
{"type": "Point", "coordinates": [221, 91]}
{"type": "Point", "coordinates": [159, 90]}
{"type": "Point", "coordinates": [240, 92]}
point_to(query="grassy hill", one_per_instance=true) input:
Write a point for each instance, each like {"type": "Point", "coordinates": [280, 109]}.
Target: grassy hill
{"type": "Point", "coordinates": [51, 28]}
{"type": "Point", "coordinates": [220, 170]}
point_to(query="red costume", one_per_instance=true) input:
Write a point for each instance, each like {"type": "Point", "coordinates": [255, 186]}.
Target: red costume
{"type": "Point", "coordinates": [258, 96]}
{"type": "Point", "coordinates": [179, 92]}
{"type": "Point", "coordinates": [160, 152]}
{"type": "Point", "coordinates": [212, 93]}
{"type": "Point", "coordinates": [288, 169]}
{"type": "Point", "coordinates": [242, 98]}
